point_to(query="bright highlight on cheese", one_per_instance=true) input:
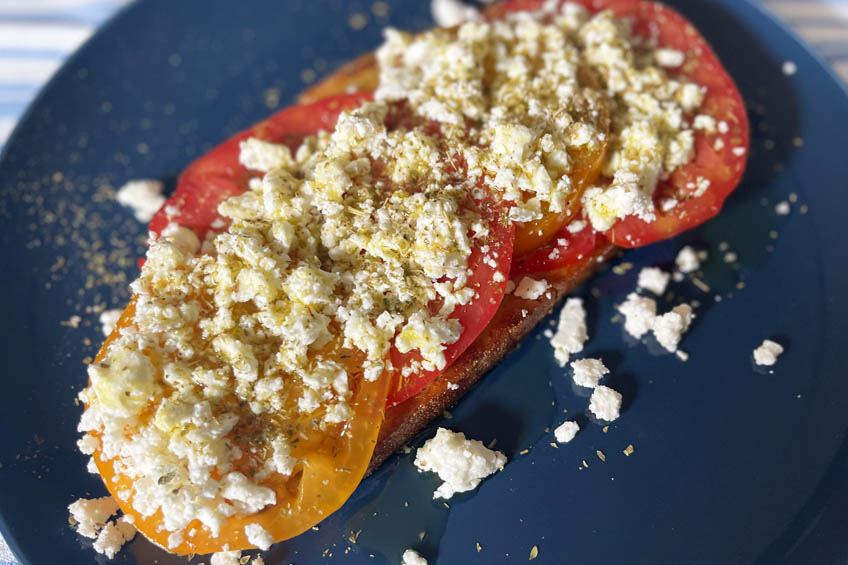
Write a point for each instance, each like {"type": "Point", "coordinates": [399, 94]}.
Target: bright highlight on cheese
{"type": "Point", "coordinates": [461, 463]}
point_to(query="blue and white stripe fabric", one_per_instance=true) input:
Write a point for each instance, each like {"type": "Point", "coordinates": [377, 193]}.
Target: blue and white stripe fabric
{"type": "Point", "coordinates": [37, 35]}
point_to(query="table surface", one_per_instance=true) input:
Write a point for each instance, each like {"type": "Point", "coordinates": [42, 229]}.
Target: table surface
{"type": "Point", "coordinates": [37, 35]}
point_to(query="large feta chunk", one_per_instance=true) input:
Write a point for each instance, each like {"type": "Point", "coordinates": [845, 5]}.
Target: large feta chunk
{"type": "Point", "coordinates": [461, 463]}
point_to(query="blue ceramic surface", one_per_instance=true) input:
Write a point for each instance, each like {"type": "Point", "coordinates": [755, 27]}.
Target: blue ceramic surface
{"type": "Point", "coordinates": [731, 464]}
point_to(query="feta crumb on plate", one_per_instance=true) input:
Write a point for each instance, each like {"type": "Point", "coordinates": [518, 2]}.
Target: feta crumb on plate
{"type": "Point", "coordinates": [670, 327]}
{"type": "Point", "coordinates": [412, 557]}
{"type": "Point", "coordinates": [531, 289]}
{"type": "Point", "coordinates": [258, 536]}
{"type": "Point", "coordinates": [653, 279]}
{"type": "Point", "coordinates": [639, 313]}
{"type": "Point", "coordinates": [571, 332]}
{"type": "Point", "coordinates": [605, 403]}
{"type": "Point", "coordinates": [782, 208]}
{"type": "Point", "coordinates": [566, 431]}
{"type": "Point", "coordinates": [144, 197]}
{"type": "Point", "coordinates": [226, 558]}
{"type": "Point", "coordinates": [588, 372]}
{"type": "Point", "coordinates": [113, 537]}
{"type": "Point", "coordinates": [91, 514]}
{"type": "Point", "coordinates": [461, 463]}
{"type": "Point", "coordinates": [789, 68]}
{"type": "Point", "coordinates": [687, 260]}
{"type": "Point", "coordinates": [768, 352]}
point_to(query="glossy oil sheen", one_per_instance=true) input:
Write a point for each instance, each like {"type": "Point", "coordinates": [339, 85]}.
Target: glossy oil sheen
{"type": "Point", "coordinates": [732, 464]}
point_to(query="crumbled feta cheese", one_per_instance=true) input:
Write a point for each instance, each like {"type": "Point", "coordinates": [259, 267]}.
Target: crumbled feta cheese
{"type": "Point", "coordinates": [588, 372]}
{"type": "Point", "coordinates": [411, 557]}
{"type": "Point", "coordinates": [767, 353]}
{"type": "Point", "coordinates": [258, 155]}
{"type": "Point", "coordinates": [566, 431]}
{"type": "Point", "coordinates": [653, 279]}
{"type": "Point", "coordinates": [669, 57]}
{"type": "Point", "coordinates": [730, 257]}
{"type": "Point", "coordinates": [461, 463]}
{"type": "Point", "coordinates": [258, 536]}
{"type": "Point", "coordinates": [113, 536]}
{"type": "Point", "coordinates": [687, 260]}
{"type": "Point", "coordinates": [639, 314]}
{"type": "Point", "coordinates": [448, 13]}
{"type": "Point", "coordinates": [531, 289]}
{"type": "Point", "coordinates": [109, 319]}
{"type": "Point", "coordinates": [670, 327]}
{"type": "Point", "coordinates": [705, 123]}
{"type": "Point", "coordinates": [226, 558]}
{"type": "Point", "coordinates": [143, 197]}
{"type": "Point", "coordinates": [782, 208]}
{"type": "Point", "coordinates": [605, 403]}
{"type": "Point", "coordinates": [571, 332]}
{"type": "Point", "coordinates": [91, 515]}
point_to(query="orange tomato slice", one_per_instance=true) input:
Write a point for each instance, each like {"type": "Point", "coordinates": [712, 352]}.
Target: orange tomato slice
{"type": "Point", "coordinates": [331, 464]}
{"type": "Point", "coordinates": [586, 169]}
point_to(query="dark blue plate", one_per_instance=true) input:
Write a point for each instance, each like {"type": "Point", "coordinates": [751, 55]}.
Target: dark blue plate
{"type": "Point", "coordinates": [731, 464]}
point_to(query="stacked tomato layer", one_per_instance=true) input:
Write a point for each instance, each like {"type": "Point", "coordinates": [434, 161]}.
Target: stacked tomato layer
{"type": "Point", "coordinates": [527, 249]}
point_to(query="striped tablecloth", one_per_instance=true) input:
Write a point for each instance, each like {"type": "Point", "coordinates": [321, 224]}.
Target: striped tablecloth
{"type": "Point", "coordinates": [37, 35]}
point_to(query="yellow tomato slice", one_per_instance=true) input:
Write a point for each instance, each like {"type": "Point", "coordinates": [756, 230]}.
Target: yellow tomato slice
{"type": "Point", "coordinates": [586, 168]}
{"type": "Point", "coordinates": [331, 464]}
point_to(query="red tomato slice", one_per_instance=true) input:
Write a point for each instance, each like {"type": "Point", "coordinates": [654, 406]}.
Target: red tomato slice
{"type": "Point", "coordinates": [554, 256]}
{"type": "Point", "coordinates": [723, 167]}
{"type": "Point", "coordinates": [475, 315]}
{"type": "Point", "coordinates": [218, 175]}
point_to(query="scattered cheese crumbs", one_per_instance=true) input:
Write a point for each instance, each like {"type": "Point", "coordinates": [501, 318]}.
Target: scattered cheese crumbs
{"type": "Point", "coordinates": [768, 352]}
{"type": "Point", "coordinates": [226, 558]}
{"type": "Point", "coordinates": [571, 332]}
{"type": "Point", "coordinates": [730, 257]}
{"type": "Point", "coordinates": [629, 450]}
{"type": "Point", "coordinates": [258, 536]}
{"type": "Point", "coordinates": [670, 327]}
{"type": "Point", "coordinates": [452, 386]}
{"type": "Point", "coordinates": [449, 13]}
{"type": "Point", "coordinates": [739, 151]}
{"type": "Point", "coordinates": [653, 279]}
{"type": "Point", "coordinates": [687, 260]}
{"type": "Point", "coordinates": [588, 372]}
{"type": "Point", "coordinates": [461, 463]}
{"type": "Point", "coordinates": [531, 289]}
{"type": "Point", "coordinates": [639, 313]}
{"type": "Point", "coordinates": [258, 155]}
{"type": "Point", "coordinates": [113, 537]}
{"type": "Point", "coordinates": [782, 208]}
{"type": "Point", "coordinates": [143, 197]}
{"type": "Point", "coordinates": [91, 515]}
{"type": "Point", "coordinates": [412, 557]}
{"type": "Point", "coordinates": [682, 355]}
{"type": "Point", "coordinates": [789, 68]}
{"type": "Point", "coordinates": [669, 57]}
{"type": "Point", "coordinates": [108, 319]}
{"type": "Point", "coordinates": [605, 403]}
{"type": "Point", "coordinates": [566, 431]}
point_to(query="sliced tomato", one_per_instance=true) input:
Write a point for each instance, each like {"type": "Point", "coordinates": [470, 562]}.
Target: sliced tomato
{"type": "Point", "coordinates": [566, 249]}
{"type": "Point", "coordinates": [325, 457]}
{"type": "Point", "coordinates": [218, 175]}
{"type": "Point", "coordinates": [722, 166]}
{"type": "Point", "coordinates": [473, 316]}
